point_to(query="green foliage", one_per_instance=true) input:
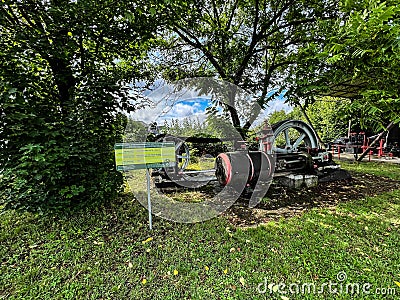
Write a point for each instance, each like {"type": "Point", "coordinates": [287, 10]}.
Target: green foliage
{"type": "Point", "coordinates": [326, 115]}
{"type": "Point", "coordinates": [63, 78]}
{"type": "Point", "coordinates": [135, 131]}
{"type": "Point", "coordinates": [248, 43]}
{"type": "Point", "coordinates": [327, 118]}
{"type": "Point", "coordinates": [356, 59]}
{"type": "Point", "coordinates": [369, 40]}
{"type": "Point", "coordinates": [185, 127]}
{"type": "Point", "coordinates": [193, 127]}
{"type": "Point", "coordinates": [281, 115]}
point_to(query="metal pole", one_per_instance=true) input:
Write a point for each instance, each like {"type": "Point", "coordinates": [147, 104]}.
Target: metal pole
{"type": "Point", "coordinates": [148, 199]}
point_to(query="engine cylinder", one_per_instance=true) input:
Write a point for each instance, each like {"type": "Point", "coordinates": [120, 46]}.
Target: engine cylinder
{"type": "Point", "coordinates": [237, 167]}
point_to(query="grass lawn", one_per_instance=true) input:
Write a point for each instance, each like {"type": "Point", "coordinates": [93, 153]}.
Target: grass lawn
{"type": "Point", "coordinates": [109, 253]}
{"type": "Point", "coordinates": [390, 170]}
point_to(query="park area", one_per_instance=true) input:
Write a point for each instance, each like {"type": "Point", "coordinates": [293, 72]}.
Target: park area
{"type": "Point", "coordinates": [311, 236]}
{"type": "Point", "coordinates": [199, 149]}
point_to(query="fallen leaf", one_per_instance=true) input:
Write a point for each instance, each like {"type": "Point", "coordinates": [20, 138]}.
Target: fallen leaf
{"type": "Point", "coordinates": [242, 281]}
{"type": "Point", "coordinates": [148, 240]}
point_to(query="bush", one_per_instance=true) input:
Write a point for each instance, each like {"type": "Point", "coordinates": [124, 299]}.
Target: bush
{"type": "Point", "coordinates": [53, 164]}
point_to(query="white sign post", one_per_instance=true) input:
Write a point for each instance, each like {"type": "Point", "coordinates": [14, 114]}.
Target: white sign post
{"type": "Point", "coordinates": [145, 155]}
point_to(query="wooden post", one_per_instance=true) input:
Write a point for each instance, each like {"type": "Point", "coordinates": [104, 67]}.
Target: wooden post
{"type": "Point", "coordinates": [375, 140]}
{"type": "Point", "coordinates": [349, 129]}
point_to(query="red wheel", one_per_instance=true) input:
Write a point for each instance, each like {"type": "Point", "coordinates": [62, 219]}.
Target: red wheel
{"type": "Point", "coordinates": [223, 168]}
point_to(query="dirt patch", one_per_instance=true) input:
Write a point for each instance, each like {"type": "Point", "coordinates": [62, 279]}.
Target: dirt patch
{"type": "Point", "coordinates": [285, 203]}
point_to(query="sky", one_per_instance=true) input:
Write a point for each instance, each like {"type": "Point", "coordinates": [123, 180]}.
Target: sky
{"type": "Point", "coordinates": [170, 105]}
{"type": "Point", "coordinates": [188, 108]}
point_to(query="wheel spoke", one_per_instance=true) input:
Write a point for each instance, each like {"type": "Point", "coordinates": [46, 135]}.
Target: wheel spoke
{"type": "Point", "coordinates": [299, 140]}
{"type": "Point", "coordinates": [304, 135]}
{"type": "Point", "coordinates": [287, 138]}
{"type": "Point", "coordinates": [178, 145]}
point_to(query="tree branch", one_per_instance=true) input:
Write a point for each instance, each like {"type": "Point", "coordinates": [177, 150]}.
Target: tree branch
{"type": "Point", "coordinates": [228, 25]}
{"type": "Point", "coordinates": [275, 17]}
{"type": "Point", "coordinates": [250, 49]}
{"type": "Point", "coordinates": [196, 43]}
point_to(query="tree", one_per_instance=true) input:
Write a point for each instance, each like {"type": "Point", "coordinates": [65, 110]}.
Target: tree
{"type": "Point", "coordinates": [360, 57]}
{"type": "Point", "coordinates": [188, 126]}
{"type": "Point", "coordinates": [281, 115]}
{"type": "Point", "coordinates": [64, 79]}
{"type": "Point", "coordinates": [370, 41]}
{"type": "Point", "coordinates": [250, 44]}
{"type": "Point", "coordinates": [327, 119]}
{"type": "Point", "coordinates": [326, 116]}
{"type": "Point", "coordinates": [135, 131]}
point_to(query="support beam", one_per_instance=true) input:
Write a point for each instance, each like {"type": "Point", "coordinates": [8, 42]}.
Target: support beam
{"type": "Point", "coordinates": [375, 140]}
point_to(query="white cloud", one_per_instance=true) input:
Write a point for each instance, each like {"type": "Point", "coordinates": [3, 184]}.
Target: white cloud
{"type": "Point", "coordinates": [278, 104]}
{"type": "Point", "coordinates": [169, 103]}
{"type": "Point", "coordinates": [274, 105]}
{"type": "Point", "coordinates": [179, 111]}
